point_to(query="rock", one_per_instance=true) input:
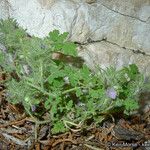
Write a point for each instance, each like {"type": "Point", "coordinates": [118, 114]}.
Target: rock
{"type": "Point", "coordinates": [4, 9]}
{"type": "Point", "coordinates": [107, 54]}
{"type": "Point", "coordinates": [145, 103]}
{"type": "Point", "coordinates": [111, 31]}
{"type": "Point", "coordinates": [138, 9]}
{"type": "Point", "coordinates": [124, 23]}
{"type": "Point", "coordinates": [122, 133]}
{"type": "Point", "coordinates": [147, 145]}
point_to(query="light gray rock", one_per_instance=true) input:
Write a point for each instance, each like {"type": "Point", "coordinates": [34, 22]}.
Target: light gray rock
{"type": "Point", "coordinates": [138, 9]}
{"type": "Point", "coordinates": [106, 54]}
{"type": "Point", "coordinates": [124, 23]}
{"type": "Point", "coordinates": [4, 9]}
{"type": "Point", "coordinates": [109, 30]}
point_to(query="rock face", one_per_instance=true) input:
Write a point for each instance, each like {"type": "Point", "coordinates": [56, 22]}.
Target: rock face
{"type": "Point", "coordinates": [106, 54]}
{"type": "Point", "coordinates": [109, 32]}
{"type": "Point", "coordinates": [4, 9]}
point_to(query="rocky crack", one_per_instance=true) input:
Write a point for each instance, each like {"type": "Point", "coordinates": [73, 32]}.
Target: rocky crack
{"type": "Point", "coordinates": [135, 51]}
{"type": "Point", "coordinates": [126, 15]}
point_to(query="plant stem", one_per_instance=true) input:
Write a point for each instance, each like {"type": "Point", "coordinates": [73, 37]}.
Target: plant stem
{"type": "Point", "coordinates": [41, 75]}
{"type": "Point", "coordinates": [41, 90]}
{"type": "Point", "coordinates": [70, 90]}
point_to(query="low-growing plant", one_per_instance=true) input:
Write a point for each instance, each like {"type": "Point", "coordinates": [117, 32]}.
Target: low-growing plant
{"type": "Point", "coordinates": [71, 95]}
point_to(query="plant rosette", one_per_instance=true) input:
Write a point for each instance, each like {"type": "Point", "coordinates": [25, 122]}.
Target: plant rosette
{"type": "Point", "coordinates": [71, 94]}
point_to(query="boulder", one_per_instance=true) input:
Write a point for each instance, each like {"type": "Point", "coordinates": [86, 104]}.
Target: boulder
{"type": "Point", "coordinates": [112, 32]}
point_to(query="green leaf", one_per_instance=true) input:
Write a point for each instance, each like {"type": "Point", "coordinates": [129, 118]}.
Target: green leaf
{"type": "Point", "coordinates": [58, 83]}
{"type": "Point", "coordinates": [63, 36]}
{"type": "Point", "coordinates": [54, 35]}
{"type": "Point", "coordinates": [94, 93]}
{"type": "Point", "coordinates": [54, 109]}
{"type": "Point", "coordinates": [69, 48]}
{"type": "Point", "coordinates": [91, 107]}
{"type": "Point", "coordinates": [58, 46]}
{"type": "Point", "coordinates": [119, 103]}
{"type": "Point", "coordinates": [69, 105]}
{"type": "Point", "coordinates": [78, 92]}
{"type": "Point", "coordinates": [131, 104]}
{"type": "Point", "coordinates": [133, 68]}
{"type": "Point", "coordinates": [2, 58]}
{"type": "Point", "coordinates": [58, 127]}
{"type": "Point", "coordinates": [85, 70]}
{"type": "Point", "coordinates": [47, 104]}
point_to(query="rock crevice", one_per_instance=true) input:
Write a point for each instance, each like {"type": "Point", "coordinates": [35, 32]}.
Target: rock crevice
{"type": "Point", "coordinates": [124, 14]}
{"type": "Point", "coordinates": [89, 41]}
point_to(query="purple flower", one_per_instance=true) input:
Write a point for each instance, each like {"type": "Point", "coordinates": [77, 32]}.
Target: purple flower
{"type": "Point", "coordinates": [111, 93]}
{"type": "Point", "coordinates": [33, 108]}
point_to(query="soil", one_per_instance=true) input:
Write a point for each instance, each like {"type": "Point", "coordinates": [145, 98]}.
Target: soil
{"type": "Point", "coordinates": [20, 132]}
